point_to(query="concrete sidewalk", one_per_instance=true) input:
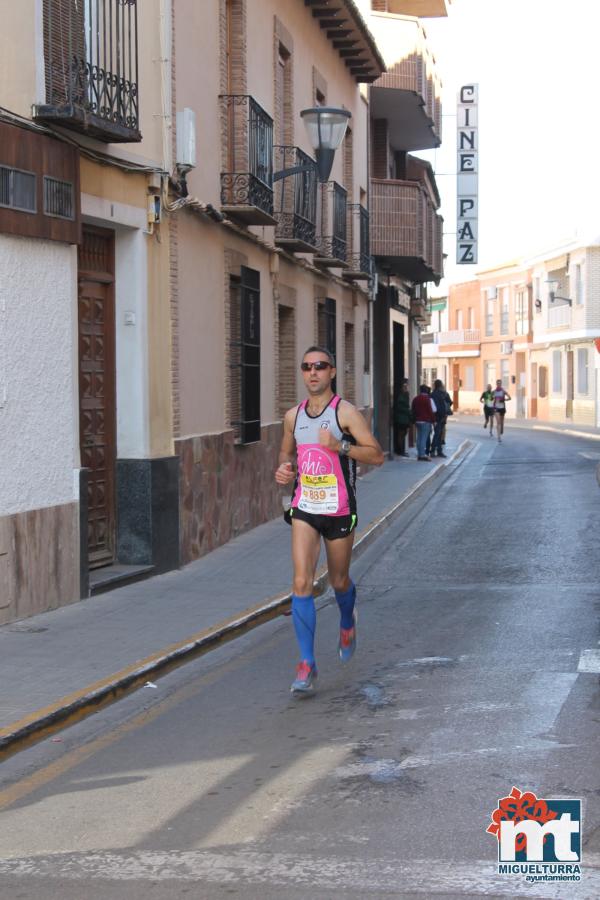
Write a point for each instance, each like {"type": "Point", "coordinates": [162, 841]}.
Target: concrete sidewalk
{"type": "Point", "coordinates": [59, 666]}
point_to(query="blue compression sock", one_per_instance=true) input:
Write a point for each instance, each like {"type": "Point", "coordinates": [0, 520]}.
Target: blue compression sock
{"type": "Point", "coordinates": [304, 616]}
{"type": "Point", "coordinates": [346, 603]}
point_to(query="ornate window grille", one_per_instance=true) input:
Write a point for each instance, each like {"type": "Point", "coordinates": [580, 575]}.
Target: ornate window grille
{"type": "Point", "coordinates": [247, 174]}
{"type": "Point", "coordinates": [296, 201]}
{"type": "Point", "coordinates": [332, 232]}
{"type": "Point", "coordinates": [91, 67]}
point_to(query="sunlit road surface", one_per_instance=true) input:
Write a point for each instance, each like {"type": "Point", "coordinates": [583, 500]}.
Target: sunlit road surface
{"type": "Point", "coordinates": [477, 670]}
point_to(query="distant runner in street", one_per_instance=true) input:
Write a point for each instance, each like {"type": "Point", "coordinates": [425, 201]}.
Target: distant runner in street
{"type": "Point", "coordinates": [500, 398]}
{"type": "Point", "coordinates": [323, 439]}
{"type": "Point", "coordinates": [487, 398]}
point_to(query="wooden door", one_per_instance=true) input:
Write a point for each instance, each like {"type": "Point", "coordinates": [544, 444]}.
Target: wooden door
{"type": "Point", "coordinates": [570, 384]}
{"type": "Point", "coordinates": [97, 402]}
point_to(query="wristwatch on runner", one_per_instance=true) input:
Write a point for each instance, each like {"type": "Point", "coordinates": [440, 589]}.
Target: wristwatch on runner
{"type": "Point", "coordinates": [345, 447]}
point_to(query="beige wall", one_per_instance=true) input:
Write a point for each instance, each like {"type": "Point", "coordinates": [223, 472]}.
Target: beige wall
{"type": "Point", "coordinates": [18, 57]}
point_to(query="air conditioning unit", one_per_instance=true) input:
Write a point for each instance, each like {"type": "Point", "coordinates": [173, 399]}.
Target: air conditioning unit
{"type": "Point", "coordinates": [506, 347]}
{"type": "Point", "coordinates": [492, 293]}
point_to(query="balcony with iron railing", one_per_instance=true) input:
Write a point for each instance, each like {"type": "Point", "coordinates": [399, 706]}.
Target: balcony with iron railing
{"type": "Point", "coordinates": [247, 162]}
{"type": "Point", "coordinates": [408, 94]}
{"type": "Point", "coordinates": [458, 336]}
{"type": "Point", "coordinates": [296, 202]}
{"type": "Point", "coordinates": [331, 226]}
{"type": "Point", "coordinates": [359, 255]}
{"type": "Point", "coordinates": [406, 230]}
{"type": "Point", "coordinates": [91, 68]}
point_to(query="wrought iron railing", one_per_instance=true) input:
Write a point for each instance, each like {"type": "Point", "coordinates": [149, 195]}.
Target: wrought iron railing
{"type": "Point", "coordinates": [296, 198]}
{"type": "Point", "coordinates": [91, 66]}
{"type": "Point", "coordinates": [360, 261]}
{"type": "Point", "coordinates": [332, 231]}
{"type": "Point", "coordinates": [247, 174]}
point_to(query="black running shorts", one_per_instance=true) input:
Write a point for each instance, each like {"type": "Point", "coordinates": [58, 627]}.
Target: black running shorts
{"type": "Point", "coordinates": [329, 527]}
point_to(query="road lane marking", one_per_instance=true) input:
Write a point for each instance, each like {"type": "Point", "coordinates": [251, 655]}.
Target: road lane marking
{"type": "Point", "coordinates": [589, 662]}
{"type": "Point", "coordinates": [72, 758]}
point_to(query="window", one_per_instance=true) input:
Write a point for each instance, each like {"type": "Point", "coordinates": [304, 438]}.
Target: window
{"type": "Point", "coordinates": [459, 319]}
{"type": "Point", "coordinates": [17, 189]}
{"type": "Point", "coordinates": [366, 346]}
{"type": "Point", "coordinates": [470, 378]}
{"type": "Point", "coordinates": [582, 371]}
{"type": "Point", "coordinates": [521, 313]}
{"type": "Point", "coordinates": [556, 371]}
{"type": "Point", "coordinates": [490, 373]}
{"type": "Point", "coordinates": [471, 318]}
{"type": "Point", "coordinates": [489, 319]}
{"type": "Point", "coordinates": [326, 330]}
{"type": "Point", "coordinates": [245, 356]}
{"type": "Point", "coordinates": [349, 379]}
{"type": "Point", "coordinates": [504, 311]}
{"type": "Point", "coordinates": [578, 285]}
{"type": "Point", "coordinates": [59, 198]}
{"type": "Point", "coordinates": [505, 372]}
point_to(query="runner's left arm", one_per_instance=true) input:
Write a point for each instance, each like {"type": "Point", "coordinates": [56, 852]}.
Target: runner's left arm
{"type": "Point", "coordinates": [367, 449]}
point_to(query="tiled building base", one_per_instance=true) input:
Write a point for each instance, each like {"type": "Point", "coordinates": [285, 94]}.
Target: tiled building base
{"type": "Point", "coordinates": [39, 561]}
{"type": "Point", "coordinates": [225, 489]}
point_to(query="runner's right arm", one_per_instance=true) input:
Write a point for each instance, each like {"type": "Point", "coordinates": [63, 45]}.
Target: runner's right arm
{"type": "Point", "coordinates": [287, 454]}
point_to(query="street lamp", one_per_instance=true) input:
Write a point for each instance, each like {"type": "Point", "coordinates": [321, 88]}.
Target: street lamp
{"type": "Point", "coordinates": [326, 128]}
{"type": "Point", "coordinates": [552, 287]}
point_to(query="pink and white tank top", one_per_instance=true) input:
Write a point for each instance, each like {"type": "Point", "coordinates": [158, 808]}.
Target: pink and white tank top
{"type": "Point", "coordinates": [325, 483]}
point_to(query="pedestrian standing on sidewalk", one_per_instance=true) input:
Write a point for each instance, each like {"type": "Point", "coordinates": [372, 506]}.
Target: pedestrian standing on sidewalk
{"type": "Point", "coordinates": [449, 412]}
{"type": "Point", "coordinates": [500, 398]}
{"type": "Point", "coordinates": [323, 439]}
{"type": "Point", "coordinates": [423, 413]}
{"type": "Point", "coordinates": [438, 395]}
{"type": "Point", "coordinates": [402, 418]}
{"type": "Point", "coordinates": [487, 398]}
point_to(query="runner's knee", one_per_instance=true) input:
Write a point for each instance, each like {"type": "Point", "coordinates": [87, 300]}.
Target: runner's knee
{"type": "Point", "coordinates": [303, 585]}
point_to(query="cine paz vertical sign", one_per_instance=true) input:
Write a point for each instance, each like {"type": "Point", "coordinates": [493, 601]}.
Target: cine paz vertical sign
{"type": "Point", "coordinates": [467, 169]}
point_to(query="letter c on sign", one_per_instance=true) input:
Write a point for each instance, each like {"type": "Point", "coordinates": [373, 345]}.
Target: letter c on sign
{"type": "Point", "coordinates": [467, 94]}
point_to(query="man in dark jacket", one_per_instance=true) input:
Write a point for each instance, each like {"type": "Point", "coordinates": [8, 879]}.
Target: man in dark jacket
{"type": "Point", "coordinates": [438, 396]}
{"type": "Point", "coordinates": [402, 418]}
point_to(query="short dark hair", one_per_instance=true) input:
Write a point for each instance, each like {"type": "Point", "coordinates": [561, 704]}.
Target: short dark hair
{"type": "Point", "coordinates": [424, 389]}
{"type": "Point", "coordinates": [316, 349]}
{"type": "Point", "coordinates": [438, 383]}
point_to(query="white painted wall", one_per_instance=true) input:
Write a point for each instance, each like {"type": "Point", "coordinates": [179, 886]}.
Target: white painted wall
{"type": "Point", "coordinates": [39, 444]}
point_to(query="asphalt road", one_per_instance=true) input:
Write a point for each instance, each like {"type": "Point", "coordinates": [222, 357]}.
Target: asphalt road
{"type": "Point", "coordinates": [478, 611]}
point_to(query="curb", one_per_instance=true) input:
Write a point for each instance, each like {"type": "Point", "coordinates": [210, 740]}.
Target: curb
{"type": "Point", "coordinates": [77, 706]}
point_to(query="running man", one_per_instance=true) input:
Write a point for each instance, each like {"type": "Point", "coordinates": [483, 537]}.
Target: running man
{"type": "Point", "coordinates": [323, 439]}
{"type": "Point", "coordinates": [500, 398]}
{"type": "Point", "coordinates": [487, 398]}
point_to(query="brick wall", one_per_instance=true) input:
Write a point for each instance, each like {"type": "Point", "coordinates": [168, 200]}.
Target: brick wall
{"type": "Point", "coordinates": [287, 358]}
{"type": "Point", "coordinates": [592, 287]}
{"type": "Point", "coordinates": [379, 149]}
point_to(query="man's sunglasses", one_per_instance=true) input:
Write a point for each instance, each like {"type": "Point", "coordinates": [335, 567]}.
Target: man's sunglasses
{"type": "Point", "coordinates": [317, 366]}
